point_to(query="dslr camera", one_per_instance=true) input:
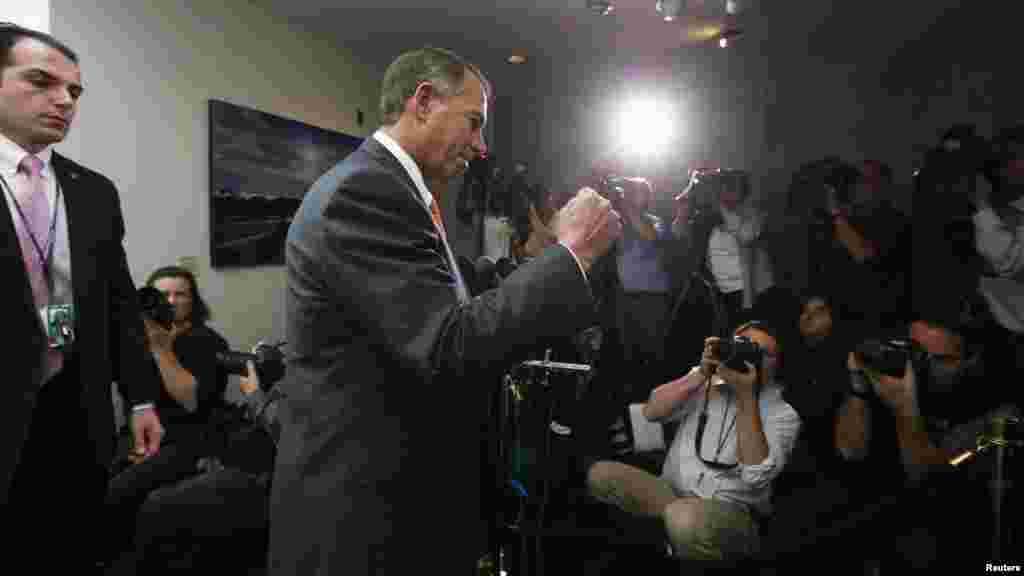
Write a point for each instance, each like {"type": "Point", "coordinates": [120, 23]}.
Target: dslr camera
{"type": "Point", "coordinates": [737, 352]}
{"type": "Point", "coordinates": [155, 307]}
{"type": "Point", "coordinates": [887, 357]}
{"type": "Point", "coordinates": [613, 188]}
{"type": "Point", "coordinates": [268, 359]}
{"type": "Point", "coordinates": [705, 189]}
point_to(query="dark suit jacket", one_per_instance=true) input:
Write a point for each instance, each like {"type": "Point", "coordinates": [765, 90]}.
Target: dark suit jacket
{"type": "Point", "coordinates": [378, 466]}
{"type": "Point", "coordinates": [110, 338]}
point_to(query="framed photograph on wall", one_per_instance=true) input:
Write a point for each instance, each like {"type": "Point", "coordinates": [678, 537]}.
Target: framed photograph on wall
{"type": "Point", "coordinates": [261, 165]}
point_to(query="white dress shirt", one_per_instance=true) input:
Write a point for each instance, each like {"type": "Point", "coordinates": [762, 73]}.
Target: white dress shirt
{"type": "Point", "coordinates": [724, 254]}
{"type": "Point", "coordinates": [59, 265]}
{"type": "Point", "coordinates": [746, 484]}
{"type": "Point", "coordinates": [1002, 245]}
{"type": "Point", "coordinates": [11, 156]}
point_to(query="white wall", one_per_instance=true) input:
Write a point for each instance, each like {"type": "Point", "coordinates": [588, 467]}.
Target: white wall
{"type": "Point", "coordinates": [149, 67]}
{"type": "Point", "coordinates": [34, 14]}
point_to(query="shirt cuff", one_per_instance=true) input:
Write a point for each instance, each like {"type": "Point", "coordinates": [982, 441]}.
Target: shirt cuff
{"type": "Point", "coordinates": [577, 259]}
{"type": "Point", "coordinates": [987, 219]}
{"type": "Point", "coordinates": [142, 407]}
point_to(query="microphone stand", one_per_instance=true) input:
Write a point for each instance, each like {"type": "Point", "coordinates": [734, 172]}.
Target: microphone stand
{"type": "Point", "coordinates": [997, 440]}
{"type": "Point", "coordinates": [539, 373]}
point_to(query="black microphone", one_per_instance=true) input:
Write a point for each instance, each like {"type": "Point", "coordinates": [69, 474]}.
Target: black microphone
{"type": "Point", "coordinates": [486, 270]}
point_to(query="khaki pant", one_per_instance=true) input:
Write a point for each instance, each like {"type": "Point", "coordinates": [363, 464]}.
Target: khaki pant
{"type": "Point", "coordinates": [698, 529]}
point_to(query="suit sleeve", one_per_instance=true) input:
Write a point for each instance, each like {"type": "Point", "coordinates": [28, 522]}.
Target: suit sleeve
{"type": "Point", "coordinates": [134, 369]}
{"type": "Point", "coordinates": [377, 252]}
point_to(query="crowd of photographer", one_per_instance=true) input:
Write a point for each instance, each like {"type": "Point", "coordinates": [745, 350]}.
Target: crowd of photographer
{"type": "Point", "coordinates": [902, 346]}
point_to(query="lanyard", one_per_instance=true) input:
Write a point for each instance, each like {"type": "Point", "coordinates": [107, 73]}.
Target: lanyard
{"type": "Point", "coordinates": [47, 256]}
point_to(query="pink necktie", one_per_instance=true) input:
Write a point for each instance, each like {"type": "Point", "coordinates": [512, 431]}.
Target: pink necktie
{"type": "Point", "coordinates": [34, 236]}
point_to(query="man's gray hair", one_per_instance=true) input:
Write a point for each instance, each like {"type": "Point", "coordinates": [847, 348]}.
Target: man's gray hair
{"type": "Point", "coordinates": [442, 68]}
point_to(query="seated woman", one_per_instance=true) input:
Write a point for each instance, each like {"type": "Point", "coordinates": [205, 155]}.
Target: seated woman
{"type": "Point", "coordinates": [186, 356]}
{"type": "Point", "coordinates": [229, 489]}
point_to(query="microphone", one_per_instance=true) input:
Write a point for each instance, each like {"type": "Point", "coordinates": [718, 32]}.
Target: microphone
{"type": "Point", "coordinates": [486, 270]}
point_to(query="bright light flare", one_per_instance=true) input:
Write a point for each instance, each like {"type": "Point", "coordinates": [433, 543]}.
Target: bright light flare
{"type": "Point", "coordinates": [645, 126]}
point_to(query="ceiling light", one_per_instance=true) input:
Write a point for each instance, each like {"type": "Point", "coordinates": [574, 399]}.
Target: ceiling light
{"type": "Point", "coordinates": [517, 59]}
{"type": "Point", "coordinates": [669, 9]}
{"type": "Point", "coordinates": [732, 7]}
{"type": "Point", "coordinates": [728, 35]}
{"type": "Point", "coordinates": [601, 7]}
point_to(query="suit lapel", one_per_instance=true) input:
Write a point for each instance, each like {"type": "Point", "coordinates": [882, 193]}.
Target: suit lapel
{"type": "Point", "coordinates": [13, 262]}
{"type": "Point", "coordinates": [377, 150]}
{"type": "Point", "coordinates": [69, 178]}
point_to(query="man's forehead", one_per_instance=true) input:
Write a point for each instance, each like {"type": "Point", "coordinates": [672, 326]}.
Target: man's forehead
{"type": "Point", "coordinates": [31, 53]}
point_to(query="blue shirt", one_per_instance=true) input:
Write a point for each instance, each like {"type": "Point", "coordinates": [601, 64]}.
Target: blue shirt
{"type": "Point", "coordinates": [641, 268]}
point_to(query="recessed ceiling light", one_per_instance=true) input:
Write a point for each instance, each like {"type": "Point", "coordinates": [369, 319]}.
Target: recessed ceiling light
{"type": "Point", "coordinates": [517, 59]}
{"type": "Point", "coordinates": [602, 7]}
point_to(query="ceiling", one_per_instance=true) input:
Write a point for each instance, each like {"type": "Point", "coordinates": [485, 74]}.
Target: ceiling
{"type": "Point", "coordinates": [488, 31]}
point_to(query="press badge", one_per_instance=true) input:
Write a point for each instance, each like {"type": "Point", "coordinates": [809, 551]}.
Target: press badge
{"type": "Point", "coordinates": [59, 322]}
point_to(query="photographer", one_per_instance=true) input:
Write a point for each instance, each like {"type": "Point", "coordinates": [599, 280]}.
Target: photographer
{"type": "Point", "coordinates": [186, 354]}
{"type": "Point", "coordinates": [715, 486]}
{"type": "Point", "coordinates": [726, 276]}
{"type": "Point", "coordinates": [838, 233]}
{"type": "Point", "coordinates": [644, 267]}
{"type": "Point", "coordinates": [185, 350]}
{"type": "Point", "coordinates": [228, 492]}
{"type": "Point", "coordinates": [998, 217]}
{"type": "Point", "coordinates": [918, 421]}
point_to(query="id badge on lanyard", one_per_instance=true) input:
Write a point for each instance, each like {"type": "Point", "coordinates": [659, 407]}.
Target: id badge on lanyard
{"type": "Point", "coordinates": [59, 324]}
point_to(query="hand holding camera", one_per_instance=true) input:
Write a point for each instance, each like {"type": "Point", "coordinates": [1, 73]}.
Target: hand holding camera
{"type": "Point", "coordinates": [250, 382]}
{"type": "Point", "coordinates": [160, 338]}
{"type": "Point", "coordinates": [885, 368]}
{"type": "Point", "coordinates": [709, 358]}
{"type": "Point", "coordinates": [898, 393]}
{"type": "Point", "coordinates": [735, 361]}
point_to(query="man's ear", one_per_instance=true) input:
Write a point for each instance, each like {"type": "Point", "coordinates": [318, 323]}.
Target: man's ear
{"type": "Point", "coordinates": [422, 99]}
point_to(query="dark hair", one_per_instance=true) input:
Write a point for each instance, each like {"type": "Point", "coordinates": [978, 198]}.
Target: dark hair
{"type": "Point", "coordinates": [763, 327]}
{"type": "Point", "coordinates": [11, 34]}
{"type": "Point", "coordinates": [807, 189]}
{"type": "Point", "coordinates": [200, 311]}
{"type": "Point", "coordinates": [968, 316]}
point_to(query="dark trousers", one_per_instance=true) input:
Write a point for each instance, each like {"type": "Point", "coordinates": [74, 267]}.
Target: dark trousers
{"type": "Point", "coordinates": [53, 519]}
{"type": "Point", "coordinates": [130, 488]}
{"type": "Point", "coordinates": [216, 520]}
{"type": "Point", "coordinates": [644, 319]}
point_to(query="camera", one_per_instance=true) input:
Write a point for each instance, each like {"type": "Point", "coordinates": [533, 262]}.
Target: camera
{"type": "Point", "coordinates": [887, 357]}
{"type": "Point", "coordinates": [268, 359]}
{"type": "Point", "coordinates": [155, 307]}
{"type": "Point", "coordinates": [704, 191]}
{"type": "Point", "coordinates": [614, 188]}
{"type": "Point", "coordinates": [737, 352]}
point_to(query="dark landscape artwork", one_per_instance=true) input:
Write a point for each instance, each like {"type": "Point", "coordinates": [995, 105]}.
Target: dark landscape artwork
{"type": "Point", "coordinates": [261, 165]}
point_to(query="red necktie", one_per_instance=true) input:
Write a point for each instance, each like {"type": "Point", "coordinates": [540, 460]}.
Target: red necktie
{"type": "Point", "coordinates": [435, 214]}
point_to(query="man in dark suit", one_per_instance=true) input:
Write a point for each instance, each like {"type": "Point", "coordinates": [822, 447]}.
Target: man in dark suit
{"type": "Point", "coordinates": [70, 310]}
{"type": "Point", "coordinates": [378, 468]}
